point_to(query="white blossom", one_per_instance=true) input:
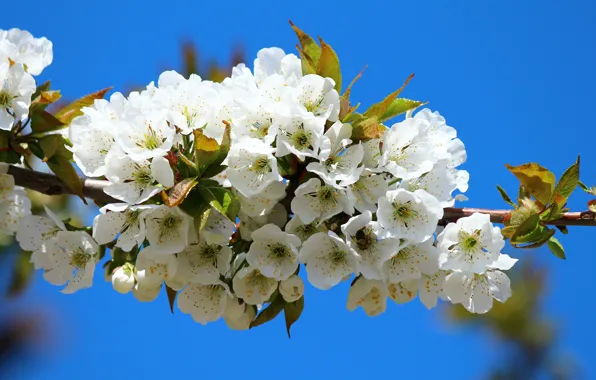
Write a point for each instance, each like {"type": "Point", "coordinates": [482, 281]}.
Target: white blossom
{"type": "Point", "coordinates": [328, 259]}
{"type": "Point", "coordinates": [367, 191]}
{"type": "Point", "coordinates": [204, 263]}
{"type": "Point", "coordinates": [204, 303]}
{"type": "Point", "coordinates": [273, 252]}
{"type": "Point", "coordinates": [146, 292]}
{"type": "Point", "coordinates": [292, 288]}
{"type": "Point", "coordinates": [238, 315]}
{"type": "Point", "coordinates": [21, 47]}
{"type": "Point", "coordinates": [277, 216]}
{"type": "Point", "coordinates": [317, 95]}
{"type": "Point", "coordinates": [167, 229]}
{"type": "Point", "coordinates": [152, 268]}
{"type": "Point", "coordinates": [303, 231]}
{"type": "Point", "coordinates": [274, 60]}
{"type": "Point", "coordinates": [298, 134]}
{"type": "Point", "coordinates": [470, 244]}
{"type": "Point", "coordinates": [403, 292]}
{"type": "Point", "coordinates": [13, 209]}
{"type": "Point", "coordinates": [410, 261]}
{"type": "Point", "coordinates": [339, 162]}
{"type": "Point", "coordinates": [314, 201]}
{"type": "Point", "coordinates": [371, 295]}
{"type": "Point", "coordinates": [262, 203]}
{"type": "Point", "coordinates": [476, 291]}
{"type": "Point", "coordinates": [122, 221]}
{"type": "Point", "coordinates": [362, 235]}
{"type": "Point", "coordinates": [136, 181]}
{"type": "Point", "coordinates": [146, 135]}
{"type": "Point", "coordinates": [253, 287]}
{"type": "Point", "coordinates": [409, 215]}
{"type": "Point", "coordinates": [16, 88]}
{"type": "Point", "coordinates": [72, 259]}
{"type": "Point", "coordinates": [252, 166]}
{"type": "Point", "coordinates": [405, 154]}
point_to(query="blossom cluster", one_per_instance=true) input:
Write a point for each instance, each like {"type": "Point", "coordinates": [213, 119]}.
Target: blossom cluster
{"type": "Point", "coordinates": [309, 193]}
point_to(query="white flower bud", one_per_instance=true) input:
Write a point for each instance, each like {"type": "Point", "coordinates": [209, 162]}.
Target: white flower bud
{"type": "Point", "coordinates": [291, 289]}
{"type": "Point", "coordinates": [123, 279]}
{"type": "Point", "coordinates": [234, 309]}
{"type": "Point", "coordinates": [146, 293]}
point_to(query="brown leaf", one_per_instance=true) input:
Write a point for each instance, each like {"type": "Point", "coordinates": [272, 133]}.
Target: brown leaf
{"type": "Point", "coordinates": [178, 193]}
{"type": "Point", "coordinates": [69, 112]}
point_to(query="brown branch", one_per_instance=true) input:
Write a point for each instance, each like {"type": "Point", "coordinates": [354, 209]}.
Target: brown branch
{"type": "Point", "coordinates": [49, 184]}
{"type": "Point", "coordinates": [93, 189]}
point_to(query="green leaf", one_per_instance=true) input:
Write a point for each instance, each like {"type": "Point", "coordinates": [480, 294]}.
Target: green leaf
{"type": "Point", "coordinates": [328, 65]}
{"type": "Point", "coordinates": [567, 183]}
{"type": "Point", "coordinates": [309, 46]}
{"type": "Point", "coordinates": [223, 200]}
{"type": "Point", "coordinates": [505, 196]}
{"type": "Point", "coordinates": [61, 166]}
{"type": "Point", "coordinates": [270, 312]}
{"type": "Point", "coordinates": [7, 153]}
{"type": "Point", "coordinates": [74, 109]}
{"type": "Point", "coordinates": [43, 121]}
{"type": "Point", "coordinates": [556, 248]}
{"type": "Point", "coordinates": [380, 108]}
{"type": "Point", "coordinates": [195, 206]}
{"type": "Point", "coordinates": [171, 297]}
{"type": "Point", "coordinates": [308, 66]}
{"type": "Point", "coordinates": [215, 167]}
{"type": "Point", "coordinates": [527, 231]}
{"type": "Point", "coordinates": [178, 193]}
{"type": "Point", "coordinates": [399, 106]}
{"type": "Point", "coordinates": [541, 238]}
{"type": "Point", "coordinates": [41, 88]}
{"type": "Point", "coordinates": [49, 145]}
{"type": "Point", "coordinates": [43, 99]}
{"type": "Point", "coordinates": [22, 273]}
{"type": "Point", "coordinates": [537, 180]}
{"type": "Point", "coordinates": [292, 312]}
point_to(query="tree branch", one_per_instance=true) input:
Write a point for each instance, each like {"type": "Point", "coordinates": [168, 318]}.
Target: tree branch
{"type": "Point", "coordinates": [49, 184]}
{"type": "Point", "coordinates": [93, 189]}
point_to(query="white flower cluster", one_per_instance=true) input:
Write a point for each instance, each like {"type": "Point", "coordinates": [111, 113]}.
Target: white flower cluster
{"type": "Point", "coordinates": [21, 56]}
{"type": "Point", "coordinates": [309, 194]}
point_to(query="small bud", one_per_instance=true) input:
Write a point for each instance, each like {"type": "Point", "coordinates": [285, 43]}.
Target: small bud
{"type": "Point", "coordinates": [146, 293]}
{"type": "Point", "coordinates": [234, 309]}
{"type": "Point", "coordinates": [123, 279]}
{"type": "Point", "coordinates": [291, 289]}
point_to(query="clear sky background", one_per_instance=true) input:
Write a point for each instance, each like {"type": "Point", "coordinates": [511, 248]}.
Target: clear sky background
{"type": "Point", "coordinates": [516, 78]}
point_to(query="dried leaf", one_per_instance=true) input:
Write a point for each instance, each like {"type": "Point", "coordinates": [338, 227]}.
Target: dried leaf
{"type": "Point", "coordinates": [535, 179]}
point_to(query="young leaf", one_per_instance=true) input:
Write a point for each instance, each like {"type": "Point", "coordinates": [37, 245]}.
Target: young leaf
{"type": "Point", "coordinates": [567, 183]}
{"type": "Point", "coordinates": [505, 196]}
{"type": "Point", "coordinates": [171, 297]}
{"type": "Point", "coordinates": [399, 106]}
{"type": "Point", "coordinates": [292, 312]}
{"type": "Point", "coordinates": [206, 150]}
{"type": "Point", "coordinates": [43, 121]}
{"type": "Point", "coordinates": [540, 238]}
{"type": "Point", "coordinates": [309, 46]}
{"type": "Point", "coordinates": [195, 206]}
{"type": "Point", "coordinates": [49, 145]}
{"type": "Point", "coordinates": [308, 66]}
{"type": "Point", "coordinates": [367, 129]}
{"type": "Point", "coordinates": [270, 312]}
{"type": "Point", "coordinates": [178, 193]}
{"type": "Point", "coordinates": [537, 180]}
{"type": "Point", "coordinates": [380, 108]}
{"type": "Point", "coordinates": [527, 231]}
{"type": "Point", "coordinates": [69, 112]}
{"type": "Point", "coordinates": [556, 248]}
{"type": "Point", "coordinates": [61, 166]}
{"type": "Point", "coordinates": [328, 65]}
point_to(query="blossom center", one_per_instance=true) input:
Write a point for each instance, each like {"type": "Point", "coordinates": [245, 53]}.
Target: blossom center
{"type": "Point", "coordinates": [301, 139]}
{"type": "Point", "coordinates": [79, 258]}
{"type": "Point", "coordinates": [168, 225]}
{"type": "Point", "coordinates": [142, 176]}
{"type": "Point", "coordinates": [279, 250]}
{"type": "Point", "coordinates": [404, 212]}
{"type": "Point", "coordinates": [338, 255]}
{"type": "Point", "coordinates": [150, 140]}
{"type": "Point", "coordinates": [364, 238]}
{"type": "Point", "coordinates": [261, 165]}
{"type": "Point", "coordinates": [260, 129]}
{"type": "Point", "coordinates": [5, 98]}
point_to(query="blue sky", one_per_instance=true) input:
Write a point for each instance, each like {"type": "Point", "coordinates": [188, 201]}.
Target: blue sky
{"type": "Point", "coordinates": [515, 78]}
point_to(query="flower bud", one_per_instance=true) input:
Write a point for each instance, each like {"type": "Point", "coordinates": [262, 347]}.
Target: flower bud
{"type": "Point", "coordinates": [123, 279]}
{"type": "Point", "coordinates": [291, 289]}
{"type": "Point", "coordinates": [146, 293]}
{"type": "Point", "coordinates": [234, 309]}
